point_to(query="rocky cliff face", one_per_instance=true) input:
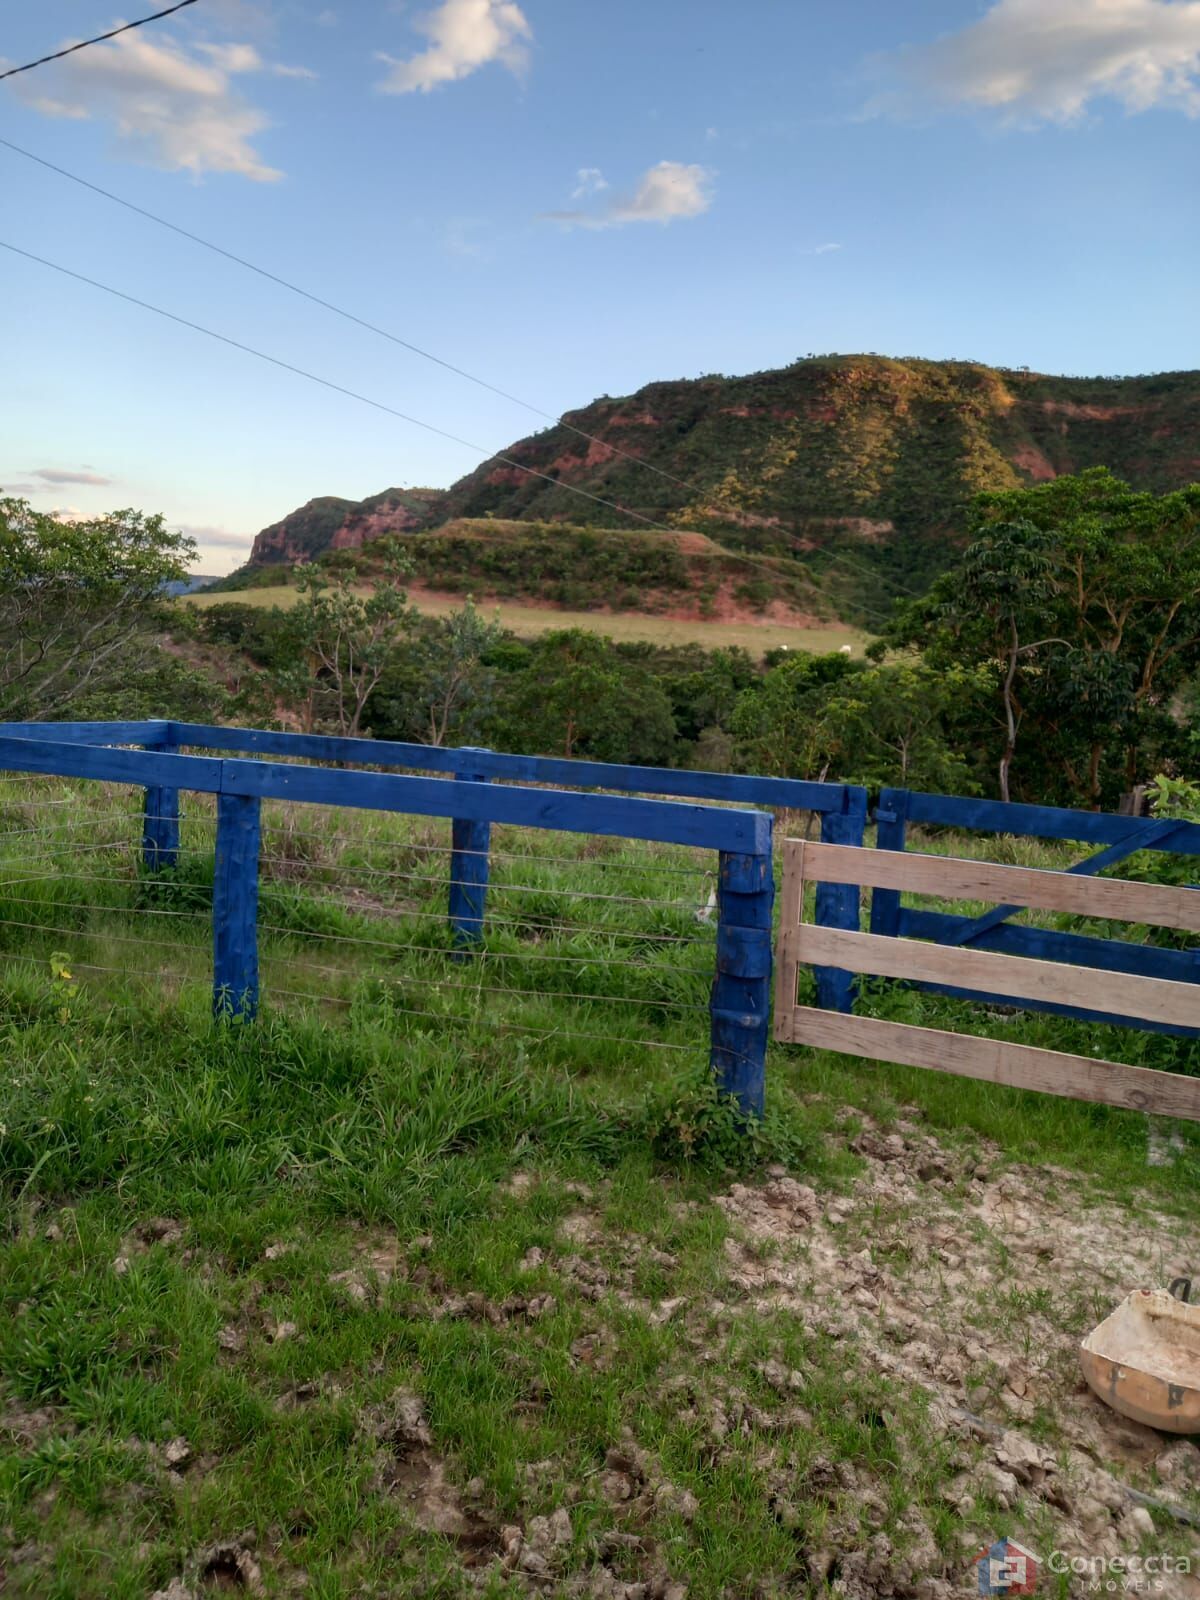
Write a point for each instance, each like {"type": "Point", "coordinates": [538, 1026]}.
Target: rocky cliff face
{"type": "Point", "coordinates": [330, 523]}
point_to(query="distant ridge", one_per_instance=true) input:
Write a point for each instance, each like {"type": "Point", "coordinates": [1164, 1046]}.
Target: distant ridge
{"type": "Point", "coordinates": [859, 466]}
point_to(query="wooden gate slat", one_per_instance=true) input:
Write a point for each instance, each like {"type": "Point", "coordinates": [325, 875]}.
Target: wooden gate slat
{"type": "Point", "coordinates": [957, 878]}
{"type": "Point", "coordinates": [1019, 1066]}
{"type": "Point", "coordinates": [1121, 993]}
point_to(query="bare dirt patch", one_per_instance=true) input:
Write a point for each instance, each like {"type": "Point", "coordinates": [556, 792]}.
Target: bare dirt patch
{"type": "Point", "coordinates": [974, 1284]}
{"type": "Point", "coordinates": [1032, 460]}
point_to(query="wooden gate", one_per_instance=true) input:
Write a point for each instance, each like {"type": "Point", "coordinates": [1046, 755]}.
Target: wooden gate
{"type": "Point", "coordinates": [1116, 994]}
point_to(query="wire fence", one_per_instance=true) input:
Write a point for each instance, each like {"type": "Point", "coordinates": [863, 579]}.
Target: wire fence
{"type": "Point", "coordinates": [605, 941]}
{"type": "Point", "coordinates": [75, 897]}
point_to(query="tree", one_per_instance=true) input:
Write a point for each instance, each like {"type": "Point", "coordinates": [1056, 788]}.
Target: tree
{"type": "Point", "coordinates": [1082, 597]}
{"type": "Point", "coordinates": [831, 716]}
{"type": "Point", "coordinates": [577, 696]}
{"type": "Point", "coordinates": [781, 725]}
{"type": "Point", "coordinates": [78, 605]}
{"type": "Point", "coordinates": [895, 724]}
{"type": "Point", "coordinates": [995, 604]}
{"type": "Point", "coordinates": [343, 641]}
{"type": "Point", "coordinates": [457, 686]}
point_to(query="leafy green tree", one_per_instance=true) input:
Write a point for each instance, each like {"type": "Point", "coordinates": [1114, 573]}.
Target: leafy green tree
{"type": "Point", "coordinates": [895, 724]}
{"type": "Point", "coordinates": [80, 603]}
{"type": "Point", "coordinates": [999, 602]}
{"type": "Point", "coordinates": [1082, 597]}
{"type": "Point", "coordinates": [457, 685]}
{"type": "Point", "coordinates": [780, 725]}
{"type": "Point", "coordinates": [344, 638]}
{"type": "Point", "coordinates": [578, 697]}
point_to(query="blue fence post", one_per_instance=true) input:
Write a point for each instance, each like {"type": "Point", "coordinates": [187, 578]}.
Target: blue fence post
{"type": "Point", "coordinates": [469, 864]}
{"type": "Point", "coordinates": [740, 1006]}
{"type": "Point", "coordinates": [838, 903]}
{"type": "Point", "coordinates": [235, 906]}
{"type": "Point", "coordinates": [160, 822]}
{"type": "Point", "coordinates": [891, 828]}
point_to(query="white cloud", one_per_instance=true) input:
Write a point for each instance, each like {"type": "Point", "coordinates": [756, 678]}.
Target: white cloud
{"type": "Point", "coordinates": [820, 250]}
{"type": "Point", "coordinates": [231, 58]}
{"type": "Point", "coordinates": [669, 192]}
{"type": "Point", "coordinates": [279, 70]}
{"type": "Point", "coordinates": [588, 181]}
{"type": "Point", "coordinates": [1046, 60]}
{"type": "Point", "coordinates": [666, 193]}
{"type": "Point", "coordinates": [464, 35]}
{"type": "Point", "coordinates": [178, 108]}
{"type": "Point", "coordinates": [57, 475]}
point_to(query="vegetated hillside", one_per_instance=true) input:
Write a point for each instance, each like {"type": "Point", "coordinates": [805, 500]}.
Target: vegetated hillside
{"type": "Point", "coordinates": [861, 466]}
{"type": "Point", "coordinates": [563, 565]}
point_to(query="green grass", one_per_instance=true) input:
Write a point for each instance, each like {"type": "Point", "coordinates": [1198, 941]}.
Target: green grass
{"type": "Point", "coordinates": [530, 621]}
{"type": "Point", "coordinates": [261, 1239]}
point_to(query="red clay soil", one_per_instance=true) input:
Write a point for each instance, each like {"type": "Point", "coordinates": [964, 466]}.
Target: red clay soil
{"type": "Point", "coordinates": [1031, 460]}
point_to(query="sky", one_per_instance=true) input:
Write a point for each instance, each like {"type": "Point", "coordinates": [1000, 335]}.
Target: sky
{"type": "Point", "coordinates": [566, 199]}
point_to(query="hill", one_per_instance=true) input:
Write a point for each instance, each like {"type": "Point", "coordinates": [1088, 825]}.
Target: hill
{"type": "Point", "coordinates": [859, 466]}
{"type": "Point", "coordinates": [565, 565]}
{"type": "Point", "coordinates": [561, 574]}
{"type": "Point", "coordinates": [331, 523]}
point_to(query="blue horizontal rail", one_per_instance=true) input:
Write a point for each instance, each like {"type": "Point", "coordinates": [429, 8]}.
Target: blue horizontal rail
{"type": "Point", "coordinates": [1039, 822]}
{"type": "Point", "coordinates": [662, 821]}
{"type": "Point", "coordinates": [793, 794]}
{"type": "Point", "coordinates": [138, 733]}
{"type": "Point", "coordinates": [61, 759]}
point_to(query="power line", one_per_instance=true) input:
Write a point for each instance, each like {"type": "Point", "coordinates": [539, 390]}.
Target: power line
{"type": "Point", "coordinates": [415, 349]}
{"type": "Point", "coordinates": [352, 394]}
{"type": "Point", "coordinates": [99, 39]}
{"type": "Point", "coordinates": [348, 316]}
{"type": "Point", "coordinates": [328, 383]}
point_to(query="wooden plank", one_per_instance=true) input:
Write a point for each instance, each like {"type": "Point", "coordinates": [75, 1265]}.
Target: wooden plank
{"type": "Point", "coordinates": [1091, 866]}
{"type": "Point", "coordinates": [1111, 992]}
{"type": "Point", "coordinates": [666, 821]}
{"type": "Point", "coordinates": [1019, 1066]}
{"type": "Point", "coordinates": [786, 793]}
{"type": "Point", "coordinates": [954, 878]}
{"type": "Point", "coordinates": [791, 915]}
{"type": "Point", "coordinates": [110, 766]}
{"type": "Point", "coordinates": [1111, 955]}
{"type": "Point", "coordinates": [1048, 822]}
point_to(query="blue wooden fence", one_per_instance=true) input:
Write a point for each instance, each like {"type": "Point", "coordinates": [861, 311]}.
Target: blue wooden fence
{"type": "Point", "coordinates": [485, 787]}
{"type": "Point", "coordinates": [1119, 838]}
{"type": "Point", "coordinates": [478, 788]}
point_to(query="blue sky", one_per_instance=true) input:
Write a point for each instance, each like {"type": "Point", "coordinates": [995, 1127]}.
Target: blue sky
{"type": "Point", "coordinates": [568, 199]}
